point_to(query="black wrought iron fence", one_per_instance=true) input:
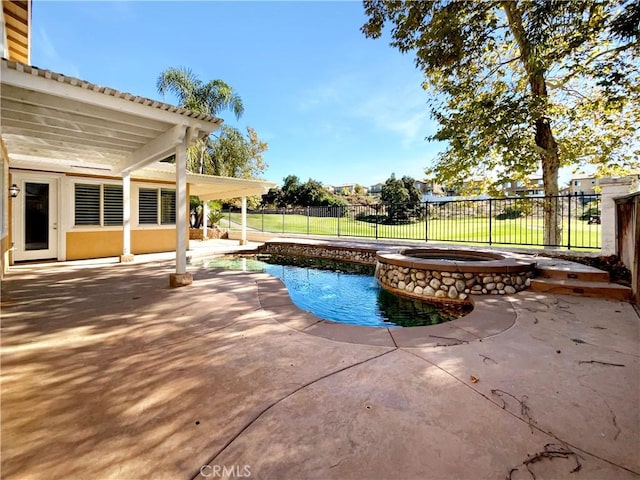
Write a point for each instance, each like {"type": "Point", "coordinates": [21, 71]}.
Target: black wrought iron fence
{"type": "Point", "coordinates": [504, 221]}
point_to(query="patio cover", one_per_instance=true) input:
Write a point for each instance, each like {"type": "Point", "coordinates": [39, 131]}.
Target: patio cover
{"type": "Point", "coordinates": [50, 119]}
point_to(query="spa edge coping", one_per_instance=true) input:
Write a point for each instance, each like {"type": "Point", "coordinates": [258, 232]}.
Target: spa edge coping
{"type": "Point", "coordinates": [499, 264]}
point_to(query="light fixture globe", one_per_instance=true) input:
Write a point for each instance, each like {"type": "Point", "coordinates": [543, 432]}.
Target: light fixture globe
{"type": "Point", "coordinates": [14, 190]}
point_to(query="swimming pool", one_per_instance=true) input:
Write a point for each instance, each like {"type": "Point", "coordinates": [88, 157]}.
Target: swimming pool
{"type": "Point", "coordinates": [343, 292]}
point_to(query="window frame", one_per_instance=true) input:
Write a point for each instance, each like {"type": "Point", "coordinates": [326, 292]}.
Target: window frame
{"type": "Point", "coordinates": [159, 223]}
{"type": "Point", "coordinates": [101, 184]}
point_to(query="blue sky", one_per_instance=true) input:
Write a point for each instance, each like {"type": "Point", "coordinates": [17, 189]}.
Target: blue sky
{"type": "Point", "coordinates": [332, 104]}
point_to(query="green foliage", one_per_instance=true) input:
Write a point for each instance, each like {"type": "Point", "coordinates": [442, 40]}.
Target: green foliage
{"type": "Point", "coordinates": [509, 212]}
{"type": "Point", "coordinates": [521, 86]}
{"type": "Point", "coordinates": [296, 194]}
{"type": "Point", "coordinates": [228, 153]}
{"type": "Point", "coordinates": [214, 217]}
{"type": "Point", "coordinates": [192, 93]}
{"type": "Point", "coordinates": [231, 154]}
{"type": "Point", "coordinates": [501, 68]}
{"type": "Point", "coordinates": [401, 199]}
{"type": "Point", "coordinates": [590, 213]}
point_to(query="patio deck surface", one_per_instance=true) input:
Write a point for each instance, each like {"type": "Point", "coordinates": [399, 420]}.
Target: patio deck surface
{"type": "Point", "coordinates": [108, 373]}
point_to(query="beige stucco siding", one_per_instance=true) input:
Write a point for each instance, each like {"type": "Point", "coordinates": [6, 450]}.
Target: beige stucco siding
{"type": "Point", "coordinates": [98, 244]}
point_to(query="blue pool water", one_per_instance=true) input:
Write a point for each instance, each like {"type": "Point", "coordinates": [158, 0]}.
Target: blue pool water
{"type": "Point", "coordinates": [330, 290]}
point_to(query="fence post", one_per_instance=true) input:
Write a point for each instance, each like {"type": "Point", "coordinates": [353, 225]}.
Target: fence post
{"type": "Point", "coordinates": [426, 221]}
{"type": "Point", "coordinates": [339, 215]}
{"type": "Point", "coordinates": [490, 219]}
{"type": "Point", "coordinates": [376, 209]}
{"type": "Point", "coordinates": [262, 217]}
{"type": "Point", "coordinates": [284, 211]}
{"type": "Point", "coordinates": [308, 219]}
{"type": "Point", "coordinates": [569, 221]}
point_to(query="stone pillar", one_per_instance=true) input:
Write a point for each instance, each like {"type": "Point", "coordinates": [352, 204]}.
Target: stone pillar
{"type": "Point", "coordinates": [181, 277]}
{"type": "Point", "coordinates": [611, 188]}
{"type": "Point", "coordinates": [126, 256]}
{"type": "Point", "coordinates": [243, 237]}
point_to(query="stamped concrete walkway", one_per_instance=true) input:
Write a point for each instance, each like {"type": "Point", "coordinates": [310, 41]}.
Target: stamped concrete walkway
{"type": "Point", "coordinates": [108, 373]}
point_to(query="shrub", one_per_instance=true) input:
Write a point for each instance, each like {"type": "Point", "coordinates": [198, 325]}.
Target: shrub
{"type": "Point", "coordinates": [509, 212]}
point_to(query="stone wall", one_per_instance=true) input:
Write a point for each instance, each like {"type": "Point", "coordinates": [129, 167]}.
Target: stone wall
{"type": "Point", "coordinates": [427, 284]}
{"type": "Point", "coordinates": [329, 252]}
{"type": "Point", "coordinates": [212, 233]}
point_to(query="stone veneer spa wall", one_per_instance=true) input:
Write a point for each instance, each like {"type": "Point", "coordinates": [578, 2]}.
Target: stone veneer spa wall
{"type": "Point", "coordinates": [437, 274]}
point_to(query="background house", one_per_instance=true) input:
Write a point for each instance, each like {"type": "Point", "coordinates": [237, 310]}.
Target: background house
{"type": "Point", "coordinates": [533, 185]}
{"type": "Point", "coordinates": [582, 184]}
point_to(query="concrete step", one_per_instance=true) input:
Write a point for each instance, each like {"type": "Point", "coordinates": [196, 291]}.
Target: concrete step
{"type": "Point", "coordinates": [573, 272]}
{"type": "Point", "coordinates": [581, 288]}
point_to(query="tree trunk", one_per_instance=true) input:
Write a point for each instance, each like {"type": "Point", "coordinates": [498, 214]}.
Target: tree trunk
{"type": "Point", "coordinates": [544, 139]}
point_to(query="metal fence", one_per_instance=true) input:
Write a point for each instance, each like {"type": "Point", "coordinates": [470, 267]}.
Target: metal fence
{"type": "Point", "coordinates": [499, 221]}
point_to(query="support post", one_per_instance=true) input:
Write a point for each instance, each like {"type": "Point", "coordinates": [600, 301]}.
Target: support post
{"type": "Point", "coordinates": [611, 188]}
{"type": "Point", "coordinates": [243, 236]}
{"type": "Point", "coordinates": [126, 256]}
{"type": "Point", "coordinates": [181, 277]}
{"type": "Point", "coordinates": [205, 219]}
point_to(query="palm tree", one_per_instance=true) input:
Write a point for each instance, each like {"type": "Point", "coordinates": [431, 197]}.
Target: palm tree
{"type": "Point", "coordinates": [209, 98]}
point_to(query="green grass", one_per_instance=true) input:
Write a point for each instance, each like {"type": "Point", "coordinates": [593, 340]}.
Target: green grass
{"type": "Point", "coordinates": [520, 231]}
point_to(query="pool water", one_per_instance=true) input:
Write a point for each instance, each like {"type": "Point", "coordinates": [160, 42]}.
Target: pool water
{"type": "Point", "coordinates": [343, 292]}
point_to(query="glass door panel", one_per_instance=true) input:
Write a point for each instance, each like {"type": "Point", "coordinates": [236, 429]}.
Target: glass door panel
{"type": "Point", "coordinates": [36, 216]}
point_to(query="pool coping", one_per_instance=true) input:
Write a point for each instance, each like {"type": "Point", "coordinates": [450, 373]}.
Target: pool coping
{"type": "Point", "coordinates": [491, 315]}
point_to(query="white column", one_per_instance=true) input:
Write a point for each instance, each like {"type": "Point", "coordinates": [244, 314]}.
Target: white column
{"type": "Point", "coordinates": [205, 219]}
{"type": "Point", "coordinates": [243, 237]}
{"type": "Point", "coordinates": [181, 209]}
{"type": "Point", "coordinates": [126, 218]}
{"type": "Point", "coordinates": [611, 188]}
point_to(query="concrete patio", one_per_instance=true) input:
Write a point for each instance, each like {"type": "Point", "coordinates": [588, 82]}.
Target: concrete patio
{"type": "Point", "coordinates": [108, 373]}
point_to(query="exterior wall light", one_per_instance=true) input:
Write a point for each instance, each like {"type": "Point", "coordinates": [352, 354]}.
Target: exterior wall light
{"type": "Point", "coordinates": [14, 190]}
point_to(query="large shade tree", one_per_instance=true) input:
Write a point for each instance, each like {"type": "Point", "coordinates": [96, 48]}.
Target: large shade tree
{"type": "Point", "coordinates": [519, 86]}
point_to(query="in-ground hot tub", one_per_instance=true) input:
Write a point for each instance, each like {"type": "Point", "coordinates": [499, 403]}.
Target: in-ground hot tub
{"type": "Point", "coordinates": [451, 274]}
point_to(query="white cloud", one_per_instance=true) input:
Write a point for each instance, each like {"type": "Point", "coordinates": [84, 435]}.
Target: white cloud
{"type": "Point", "coordinates": [387, 107]}
{"type": "Point", "coordinates": [48, 57]}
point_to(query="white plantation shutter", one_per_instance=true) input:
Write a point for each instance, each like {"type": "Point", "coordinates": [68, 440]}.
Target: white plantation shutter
{"type": "Point", "coordinates": [168, 206]}
{"type": "Point", "coordinates": [87, 204]}
{"type": "Point", "coordinates": [148, 206]}
{"type": "Point", "coordinates": [112, 200]}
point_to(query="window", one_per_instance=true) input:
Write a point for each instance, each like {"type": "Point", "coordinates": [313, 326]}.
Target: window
{"type": "Point", "coordinates": [112, 200]}
{"type": "Point", "coordinates": [157, 206]}
{"type": "Point", "coordinates": [87, 204]}
{"type": "Point", "coordinates": [148, 206]}
{"type": "Point", "coordinates": [97, 205]}
{"type": "Point", "coordinates": [168, 207]}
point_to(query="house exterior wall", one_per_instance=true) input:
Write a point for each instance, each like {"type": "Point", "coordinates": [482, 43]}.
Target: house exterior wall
{"type": "Point", "coordinates": [96, 244]}
{"type": "Point", "coordinates": [5, 220]}
{"type": "Point", "coordinates": [583, 185]}
{"type": "Point", "coordinates": [94, 241]}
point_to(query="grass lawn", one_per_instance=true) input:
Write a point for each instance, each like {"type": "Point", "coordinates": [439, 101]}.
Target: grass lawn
{"type": "Point", "coordinates": [519, 231]}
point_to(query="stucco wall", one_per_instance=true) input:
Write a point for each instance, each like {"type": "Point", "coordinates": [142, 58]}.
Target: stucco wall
{"type": "Point", "coordinates": [98, 244]}
{"type": "Point", "coordinates": [5, 220]}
